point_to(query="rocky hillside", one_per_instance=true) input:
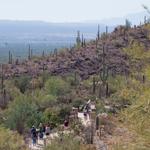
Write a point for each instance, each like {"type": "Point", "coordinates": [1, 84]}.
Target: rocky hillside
{"type": "Point", "coordinates": [86, 60]}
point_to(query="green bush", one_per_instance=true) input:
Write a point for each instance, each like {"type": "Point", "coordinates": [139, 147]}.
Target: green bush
{"type": "Point", "coordinates": [51, 115]}
{"type": "Point", "coordinates": [22, 83]}
{"type": "Point", "coordinates": [21, 114]}
{"type": "Point", "coordinates": [56, 115]}
{"type": "Point", "coordinates": [57, 86]}
{"type": "Point", "coordinates": [43, 100]}
{"type": "Point", "coordinates": [11, 140]}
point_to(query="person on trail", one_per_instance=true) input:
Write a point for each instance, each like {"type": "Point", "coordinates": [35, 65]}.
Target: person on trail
{"type": "Point", "coordinates": [47, 129]}
{"type": "Point", "coordinates": [44, 128]}
{"type": "Point", "coordinates": [97, 122]}
{"type": "Point", "coordinates": [41, 134]}
{"type": "Point", "coordinates": [33, 135]}
{"type": "Point", "coordinates": [66, 123]}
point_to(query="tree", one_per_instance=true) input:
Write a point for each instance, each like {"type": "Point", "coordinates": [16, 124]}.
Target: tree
{"type": "Point", "coordinates": [56, 86]}
{"type": "Point", "coordinates": [21, 114]}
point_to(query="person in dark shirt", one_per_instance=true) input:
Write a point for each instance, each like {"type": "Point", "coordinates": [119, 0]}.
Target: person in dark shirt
{"type": "Point", "coordinates": [33, 135]}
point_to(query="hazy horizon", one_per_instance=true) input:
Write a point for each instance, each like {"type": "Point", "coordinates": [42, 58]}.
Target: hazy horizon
{"type": "Point", "coordinates": [68, 10]}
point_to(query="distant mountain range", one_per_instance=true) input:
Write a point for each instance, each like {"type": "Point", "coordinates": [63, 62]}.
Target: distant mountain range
{"type": "Point", "coordinates": [17, 35]}
{"type": "Point", "coordinates": [43, 31]}
{"type": "Point", "coordinates": [135, 19]}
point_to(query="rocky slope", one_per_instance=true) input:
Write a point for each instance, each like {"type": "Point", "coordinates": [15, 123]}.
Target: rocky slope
{"type": "Point", "coordinates": [85, 60]}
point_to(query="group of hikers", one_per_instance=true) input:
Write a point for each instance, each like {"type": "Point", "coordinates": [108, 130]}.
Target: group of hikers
{"type": "Point", "coordinates": [40, 133]}
{"type": "Point", "coordinates": [43, 131]}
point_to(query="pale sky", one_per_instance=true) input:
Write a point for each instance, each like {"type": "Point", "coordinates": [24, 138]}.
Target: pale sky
{"type": "Point", "coordinates": [68, 10]}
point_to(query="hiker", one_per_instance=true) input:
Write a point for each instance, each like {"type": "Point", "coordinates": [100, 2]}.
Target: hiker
{"type": "Point", "coordinates": [85, 113]}
{"type": "Point", "coordinates": [66, 123]}
{"type": "Point", "coordinates": [97, 122]}
{"type": "Point", "coordinates": [33, 135]}
{"type": "Point", "coordinates": [41, 134]}
{"type": "Point", "coordinates": [47, 129]}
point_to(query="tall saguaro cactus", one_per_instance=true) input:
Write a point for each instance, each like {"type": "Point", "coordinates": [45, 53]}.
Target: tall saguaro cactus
{"type": "Point", "coordinates": [78, 39]}
{"type": "Point", "coordinates": [82, 42]}
{"type": "Point", "coordinates": [98, 33]}
{"type": "Point", "coordinates": [29, 53]}
{"type": "Point", "coordinates": [43, 54]}
{"type": "Point", "coordinates": [94, 85]}
{"type": "Point", "coordinates": [2, 77]}
{"type": "Point", "coordinates": [145, 20]}
{"type": "Point", "coordinates": [103, 73]}
{"type": "Point", "coordinates": [10, 61]}
{"type": "Point", "coordinates": [9, 58]}
{"type": "Point", "coordinates": [55, 52]}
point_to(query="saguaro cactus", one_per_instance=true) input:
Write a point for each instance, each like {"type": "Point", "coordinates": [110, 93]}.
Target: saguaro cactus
{"type": "Point", "coordinates": [55, 52]}
{"type": "Point", "coordinates": [96, 42]}
{"type": "Point", "coordinates": [75, 78]}
{"type": "Point", "coordinates": [106, 29]}
{"type": "Point", "coordinates": [104, 73]}
{"type": "Point", "coordinates": [2, 77]}
{"type": "Point", "coordinates": [98, 33]}
{"type": "Point", "coordinates": [143, 78]}
{"type": "Point", "coordinates": [78, 39]}
{"type": "Point", "coordinates": [94, 85]}
{"type": "Point", "coordinates": [43, 54]}
{"type": "Point", "coordinates": [145, 20]}
{"type": "Point", "coordinates": [10, 61]}
{"type": "Point", "coordinates": [9, 58]}
{"type": "Point", "coordinates": [29, 53]}
{"type": "Point", "coordinates": [82, 42]}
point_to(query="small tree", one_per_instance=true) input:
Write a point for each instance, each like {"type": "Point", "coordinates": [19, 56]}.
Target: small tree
{"type": "Point", "coordinates": [21, 114]}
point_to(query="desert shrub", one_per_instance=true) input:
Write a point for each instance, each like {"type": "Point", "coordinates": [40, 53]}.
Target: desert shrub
{"type": "Point", "coordinates": [127, 93]}
{"type": "Point", "coordinates": [43, 100]}
{"type": "Point", "coordinates": [64, 112]}
{"type": "Point", "coordinates": [116, 83]}
{"type": "Point", "coordinates": [139, 115]}
{"type": "Point", "coordinates": [124, 97]}
{"type": "Point", "coordinates": [73, 79]}
{"type": "Point", "coordinates": [51, 115]}
{"type": "Point", "coordinates": [136, 51]}
{"type": "Point", "coordinates": [78, 102]}
{"type": "Point", "coordinates": [22, 83]}
{"type": "Point", "coordinates": [56, 115]}
{"type": "Point", "coordinates": [35, 83]}
{"type": "Point", "coordinates": [12, 89]}
{"type": "Point", "coordinates": [10, 140]}
{"type": "Point", "coordinates": [21, 114]}
{"type": "Point", "coordinates": [56, 86]}
{"type": "Point", "coordinates": [65, 143]}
